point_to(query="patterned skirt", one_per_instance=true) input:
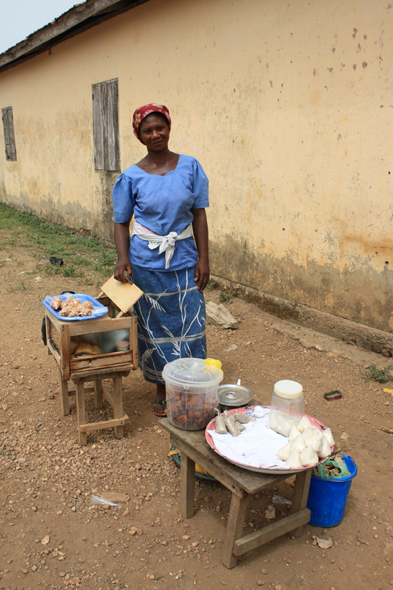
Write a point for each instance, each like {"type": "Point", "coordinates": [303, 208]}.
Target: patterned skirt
{"type": "Point", "coordinates": [171, 319]}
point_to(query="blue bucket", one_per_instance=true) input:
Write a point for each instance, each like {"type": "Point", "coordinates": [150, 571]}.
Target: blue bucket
{"type": "Point", "coordinates": [327, 498]}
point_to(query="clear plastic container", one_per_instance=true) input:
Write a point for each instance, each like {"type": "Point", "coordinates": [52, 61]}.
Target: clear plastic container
{"type": "Point", "coordinates": [287, 406]}
{"type": "Point", "coordinates": [191, 392]}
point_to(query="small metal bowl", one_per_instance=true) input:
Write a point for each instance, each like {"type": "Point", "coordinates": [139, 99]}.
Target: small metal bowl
{"type": "Point", "coordinates": [233, 396]}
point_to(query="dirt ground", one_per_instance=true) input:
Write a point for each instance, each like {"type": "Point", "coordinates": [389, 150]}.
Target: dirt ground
{"type": "Point", "coordinates": [52, 537]}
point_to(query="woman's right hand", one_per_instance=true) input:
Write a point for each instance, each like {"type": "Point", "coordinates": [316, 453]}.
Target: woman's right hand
{"type": "Point", "coordinates": [123, 271]}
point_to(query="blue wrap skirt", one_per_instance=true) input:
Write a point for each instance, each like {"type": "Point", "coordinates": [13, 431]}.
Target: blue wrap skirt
{"type": "Point", "coordinates": [171, 319]}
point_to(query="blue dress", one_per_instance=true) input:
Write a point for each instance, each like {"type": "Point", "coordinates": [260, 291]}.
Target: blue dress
{"type": "Point", "coordinates": [171, 313]}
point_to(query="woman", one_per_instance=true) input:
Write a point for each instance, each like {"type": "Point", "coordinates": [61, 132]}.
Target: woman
{"type": "Point", "coordinates": [167, 255]}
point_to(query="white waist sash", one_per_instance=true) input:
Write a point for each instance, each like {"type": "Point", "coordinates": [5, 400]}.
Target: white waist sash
{"type": "Point", "coordinates": [164, 243]}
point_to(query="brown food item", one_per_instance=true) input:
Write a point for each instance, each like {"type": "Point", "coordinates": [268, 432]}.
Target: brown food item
{"type": "Point", "coordinates": [84, 312]}
{"type": "Point", "coordinates": [87, 304]}
{"type": "Point", "coordinates": [65, 311]}
{"type": "Point", "coordinates": [85, 347]}
{"type": "Point", "coordinates": [73, 307]}
{"type": "Point", "coordinates": [190, 410]}
{"type": "Point", "coordinates": [56, 302]}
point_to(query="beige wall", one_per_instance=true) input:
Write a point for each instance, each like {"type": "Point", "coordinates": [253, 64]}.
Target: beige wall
{"type": "Point", "coordinates": [288, 108]}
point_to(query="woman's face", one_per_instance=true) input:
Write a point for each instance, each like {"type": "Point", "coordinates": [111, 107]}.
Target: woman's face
{"type": "Point", "coordinates": [154, 131]}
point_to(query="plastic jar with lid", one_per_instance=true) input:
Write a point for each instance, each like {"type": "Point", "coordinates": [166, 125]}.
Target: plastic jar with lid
{"type": "Point", "coordinates": [287, 406]}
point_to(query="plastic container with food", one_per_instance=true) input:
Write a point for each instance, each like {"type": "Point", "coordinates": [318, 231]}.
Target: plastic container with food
{"type": "Point", "coordinates": [287, 406]}
{"type": "Point", "coordinates": [191, 391]}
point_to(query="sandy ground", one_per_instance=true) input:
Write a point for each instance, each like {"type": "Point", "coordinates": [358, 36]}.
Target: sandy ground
{"type": "Point", "coordinates": [51, 535]}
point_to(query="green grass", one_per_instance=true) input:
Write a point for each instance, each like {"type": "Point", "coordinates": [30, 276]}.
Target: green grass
{"type": "Point", "coordinates": [380, 375]}
{"type": "Point", "coordinates": [227, 297]}
{"type": "Point", "coordinates": [43, 239]}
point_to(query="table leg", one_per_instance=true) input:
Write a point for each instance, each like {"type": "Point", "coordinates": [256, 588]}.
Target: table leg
{"type": "Point", "coordinates": [237, 513]}
{"type": "Point", "coordinates": [65, 402]}
{"type": "Point", "coordinates": [187, 486]}
{"type": "Point", "coordinates": [98, 394]}
{"type": "Point", "coordinates": [118, 404]}
{"type": "Point", "coordinates": [300, 496]}
{"type": "Point", "coordinates": [80, 406]}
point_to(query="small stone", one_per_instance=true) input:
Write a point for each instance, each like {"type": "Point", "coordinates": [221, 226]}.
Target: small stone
{"type": "Point", "coordinates": [34, 508]}
{"type": "Point", "coordinates": [45, 540]}
{"type": "Point", "coordinates": [185, 537]}
{"type": "Point", "coordinates": [73, 509]}
{"type": "Point", "coordinates": [59, 513]}
{"type": "Point", "coordinates": [260, 582]}
{"type": "Point", "coordinates": [264, 572]}
{"type": "Point", "coordinates": [62, 574]}
{"type": "Point", "coordinates": [34, 568]}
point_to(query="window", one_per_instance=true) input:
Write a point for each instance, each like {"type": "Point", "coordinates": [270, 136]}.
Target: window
{"type": "Point", "coordinates": [106, 125]}
{"type": "Point", "coordinates": [9, 135]}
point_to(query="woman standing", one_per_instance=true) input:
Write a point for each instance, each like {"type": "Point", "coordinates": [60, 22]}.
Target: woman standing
{"type": "Point", "coordinates": [167, 254]}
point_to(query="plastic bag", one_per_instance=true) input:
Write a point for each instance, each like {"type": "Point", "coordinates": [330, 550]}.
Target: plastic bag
{"type": "Point", "coordinates": [102, 501]}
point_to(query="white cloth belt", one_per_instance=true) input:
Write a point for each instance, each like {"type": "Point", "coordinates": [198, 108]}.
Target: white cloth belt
{"type": "Point", "coordinates": [164, 243]}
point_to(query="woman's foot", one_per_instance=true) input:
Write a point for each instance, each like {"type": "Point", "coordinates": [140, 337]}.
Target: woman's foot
{"type": "Point", "coordinates": [159, 406]}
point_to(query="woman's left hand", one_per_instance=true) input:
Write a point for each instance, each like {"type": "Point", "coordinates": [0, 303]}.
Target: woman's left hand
{"type": "Point", "coordinates": [202, 274]}
{"type": "Point", "coordinates": [202, 270]}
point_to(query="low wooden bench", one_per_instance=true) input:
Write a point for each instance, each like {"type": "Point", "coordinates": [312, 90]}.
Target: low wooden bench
{"type": "Point", "coordinates": [115, 399]}
{"type": "Point", "coordinates": [243, 484]}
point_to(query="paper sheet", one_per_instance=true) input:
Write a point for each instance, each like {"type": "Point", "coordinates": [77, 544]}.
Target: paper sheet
{"type": "Point", "coordinates": [257, 446]}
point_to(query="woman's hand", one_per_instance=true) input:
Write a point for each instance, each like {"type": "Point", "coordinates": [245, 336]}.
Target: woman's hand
{"type": "Point", "coordinates": [202, 273]}
{"type": "Point", "coordinates": [199, 226]}
{"type": "Point", "coordinates": [123, 269]}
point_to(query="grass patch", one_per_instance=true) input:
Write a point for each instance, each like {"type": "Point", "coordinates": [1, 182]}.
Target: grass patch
{"type": "Point", "coordinates": [81, 255]}
{"type": "Point", "coordinates": [380, 375]}
{"type": "Point", "coordinates": [227, 297]}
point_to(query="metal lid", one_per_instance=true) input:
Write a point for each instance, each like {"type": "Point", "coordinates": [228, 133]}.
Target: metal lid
{"type": "Point", "coordinates": [233, 395]}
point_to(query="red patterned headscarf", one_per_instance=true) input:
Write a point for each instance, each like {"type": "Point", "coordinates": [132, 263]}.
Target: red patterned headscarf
{"type": "Point", "coordinates": [146, 110]}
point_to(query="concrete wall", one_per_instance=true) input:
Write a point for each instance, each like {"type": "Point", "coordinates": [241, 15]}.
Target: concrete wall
{"type": "Point", "coordinates": [286, 105]}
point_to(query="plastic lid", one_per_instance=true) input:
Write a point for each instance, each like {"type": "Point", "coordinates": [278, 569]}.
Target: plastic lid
{"type": "Point", "coordinates": [288, 389]}
{"type": "Point", "coordinates": [233, 395]}
{"type": "Point", "coordinates": [190, 371]}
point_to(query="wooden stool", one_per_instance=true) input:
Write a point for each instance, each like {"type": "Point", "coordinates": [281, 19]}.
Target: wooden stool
{"type": "Point", "coordinates": [116, 400]}
{"type": "Point", "coordinates": [242, 483]}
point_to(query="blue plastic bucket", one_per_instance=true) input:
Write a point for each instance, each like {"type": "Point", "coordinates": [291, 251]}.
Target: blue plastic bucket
{"type": "Point", "coordinates": [327, 498]}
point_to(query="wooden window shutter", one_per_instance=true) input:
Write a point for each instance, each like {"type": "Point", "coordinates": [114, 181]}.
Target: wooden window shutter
{"type": "Point", "coordinates": [106, 125]}
{"type": "Point", "coordinates": [9, 135]}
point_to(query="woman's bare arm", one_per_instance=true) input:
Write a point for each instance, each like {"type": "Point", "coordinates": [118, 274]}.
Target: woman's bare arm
{"type": "Point", "coordinates": [122, 238]}
{"type": "Point", "coordinates": [201, 235]}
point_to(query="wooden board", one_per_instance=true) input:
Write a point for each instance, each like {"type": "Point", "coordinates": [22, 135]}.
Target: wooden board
{"type": "Point", "coordinates": [123, 295]}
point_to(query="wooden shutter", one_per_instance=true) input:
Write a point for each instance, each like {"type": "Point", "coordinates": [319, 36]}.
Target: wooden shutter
{"type": "Point", "coordinates": [106, 125]}
{"type": "Point", "coordinates": [9, 136]}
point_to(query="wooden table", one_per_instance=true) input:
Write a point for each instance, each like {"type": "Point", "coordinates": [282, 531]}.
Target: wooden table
{"type": "Point", "coordinates": [242, 483]}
